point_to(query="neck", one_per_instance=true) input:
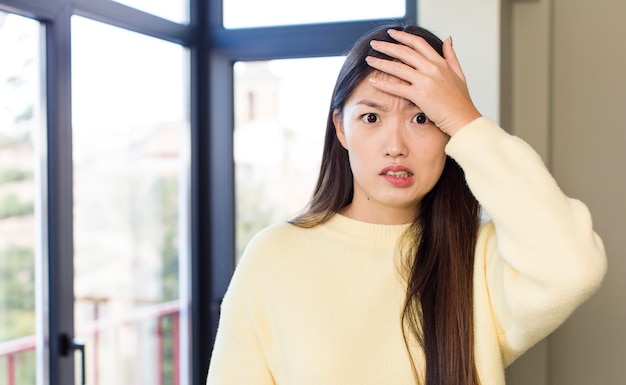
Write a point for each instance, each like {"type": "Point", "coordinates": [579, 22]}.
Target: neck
{"type": "Point", "coordinates": [388, 216]}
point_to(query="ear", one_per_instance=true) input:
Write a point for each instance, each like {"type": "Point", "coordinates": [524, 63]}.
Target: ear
{"type": "Point", "coordinates": [338, 122]}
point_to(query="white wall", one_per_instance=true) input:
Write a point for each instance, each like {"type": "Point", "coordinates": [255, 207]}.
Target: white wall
{"type": "Point", "coordinates": [475, 29]}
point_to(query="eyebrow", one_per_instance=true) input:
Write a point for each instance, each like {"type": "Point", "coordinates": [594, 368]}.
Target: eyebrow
{"type": "Point", "coordinates": [372, 104]}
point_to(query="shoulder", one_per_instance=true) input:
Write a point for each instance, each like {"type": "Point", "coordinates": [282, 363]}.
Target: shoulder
{"type": "Point", "coordinates": [281, 234]}
{"type": "Point", "coordinates": [273, 258]}
{"type": "Point", "coordinates": [262, 257]}
{"type": "Point", "coordinates": [275, 244]}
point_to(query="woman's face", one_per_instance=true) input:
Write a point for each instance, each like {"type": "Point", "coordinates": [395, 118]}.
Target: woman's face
{"type": "Point", "coordinates": [396, 154]}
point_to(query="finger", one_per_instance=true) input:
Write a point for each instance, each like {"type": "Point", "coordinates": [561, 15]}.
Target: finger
{"type": "Point", "coordinates": [416, 42]}
{"type": "Point", "coordinates": [451, 58]}
{"type": "Point", "coordinates": [393, 68]}
{"type": "Point", "coordinates": [402, 90]}
{"type": "Point", "coordinates": [401, 52]}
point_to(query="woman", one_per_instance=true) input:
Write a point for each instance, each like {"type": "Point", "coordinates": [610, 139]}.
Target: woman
{"type": "Point", "coordinates": [389, 277]}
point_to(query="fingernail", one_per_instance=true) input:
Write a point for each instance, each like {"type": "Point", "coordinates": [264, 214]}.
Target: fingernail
{"type": "Point", "coordinates": [451, 43]}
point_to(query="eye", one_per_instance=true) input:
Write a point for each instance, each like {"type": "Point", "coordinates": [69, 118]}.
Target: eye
{"type": "Point", "coordinates": [420, 118]}
{"type": "Point", "coordinates": [370, 118]}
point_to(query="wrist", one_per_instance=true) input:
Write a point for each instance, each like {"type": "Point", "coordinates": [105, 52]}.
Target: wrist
{"type": "Point", "coordinates": [462, 121]}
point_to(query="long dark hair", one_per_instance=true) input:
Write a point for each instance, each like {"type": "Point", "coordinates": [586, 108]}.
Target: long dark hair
{"type": "Point", "coordinates": [438, 246]}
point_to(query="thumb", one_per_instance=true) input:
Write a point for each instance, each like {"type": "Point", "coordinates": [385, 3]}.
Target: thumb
{"type": "Point", "coordinates": [451, 59]}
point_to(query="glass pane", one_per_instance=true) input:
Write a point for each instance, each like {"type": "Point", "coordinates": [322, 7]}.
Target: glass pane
{"type": "Point", "coordinates": [130, 170]}
{"type": "Point", "coordinates": [259, 13]}
{"type": "Point", "coordinates": [20, 121]}
{"type": "Point", "coordinates": [280, 120]}
{"type": "Point", "coordinates": [174, 10]}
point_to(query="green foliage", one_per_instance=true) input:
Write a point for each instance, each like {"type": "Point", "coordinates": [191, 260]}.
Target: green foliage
{"type": "Point", "coordinates": [11, 206]}
{"type": "Point", "coordinates": [256, 208]}
{"type": "Point", "coordinates": [7, 141]}
{"type": "Point", "coordinates": [168, 373]}
{"type": "Point", "coordinates": [170, 278]}
{"type": "Point", "coordinates": [26, 115]}
{"type": "Point", "coordinates": [15, 81]}
{"type": "Point", "coordinates": [24, 366]}
{"type": "Point", "coordinates": [17, 292]}
{"type": "Point", "coordinates": [169, 252]}
{"type": "Point", "coordinates": [17, 308]}
{"type": "Point", "coordinates": [14, 175]}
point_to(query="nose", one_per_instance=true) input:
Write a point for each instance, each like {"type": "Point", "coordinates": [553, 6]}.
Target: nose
{"type": "Point", "coordinates": [396, 145]}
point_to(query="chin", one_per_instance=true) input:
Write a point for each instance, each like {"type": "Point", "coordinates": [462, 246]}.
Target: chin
{"type": "Point", "coordinates": [406, 201]}
{"type": "Point", "coordinates": [402, 205]}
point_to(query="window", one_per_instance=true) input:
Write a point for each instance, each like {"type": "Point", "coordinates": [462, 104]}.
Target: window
{"type": "Point", "coordinates": [280, 118]}
{"type": "Point", "coordinates": [261, 13]}
{"type": "Point", "coordinates": [20, 197]}
{"type": "Point", "coordinates": [129, 169]}
{"type": "Point", "coordinates": [126, 198]}
{"type": "Point", "coordinates": [175, 10]}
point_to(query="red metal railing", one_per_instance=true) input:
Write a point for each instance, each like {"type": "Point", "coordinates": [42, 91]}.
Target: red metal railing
{"type": "Point", "coordinates": [11, 350]}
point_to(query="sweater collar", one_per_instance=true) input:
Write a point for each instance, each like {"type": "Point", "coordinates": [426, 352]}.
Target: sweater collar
{"type": "Point", "coordinates": [352, 228]}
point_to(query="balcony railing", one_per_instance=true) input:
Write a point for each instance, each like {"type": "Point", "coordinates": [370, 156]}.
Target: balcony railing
{"type": "Point", "coordinates": [11, 350]}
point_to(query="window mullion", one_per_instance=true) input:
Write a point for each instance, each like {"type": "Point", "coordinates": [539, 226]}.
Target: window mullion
{"type": "Point", "coordinates": [60, 195]}
{"type": "Point", "coordinates": [122, 16]}
{"type": "Point", "coordinates": [311, 40]}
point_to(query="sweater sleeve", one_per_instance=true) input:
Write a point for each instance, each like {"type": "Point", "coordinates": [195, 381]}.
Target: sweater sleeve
{"type": "Point", "coordinates": [238, 357]}
{"type": "Point", "coordinates": [540, 255]}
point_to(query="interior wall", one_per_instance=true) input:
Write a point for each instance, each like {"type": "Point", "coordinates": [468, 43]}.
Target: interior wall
{"type": "Point", "coordinates": [588, 138]}
{"type": "Point", "coordinates": [474, 27]}
{"type": "Point", "coordinates": [568, 82]}
{"type": "Point", "coordinates": [527, 33]}
{"type": "Point", "coordinates": [555, 71]}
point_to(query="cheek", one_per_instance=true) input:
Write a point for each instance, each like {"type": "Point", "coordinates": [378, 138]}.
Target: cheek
{"type": "Point", "coordinates": [433, 144]}
{"type": "Point", "coordinates": [361, 157]}
{"type": "Point", "coordinates": [433, 156]}
{"type": "Point", "coordinates": [440, 166]}
{"type": "Point", "coordinates": [360, 148]}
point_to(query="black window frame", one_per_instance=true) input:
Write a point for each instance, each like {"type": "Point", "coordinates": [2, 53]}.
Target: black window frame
{"type": "Point", "coordinates": [213, 51]}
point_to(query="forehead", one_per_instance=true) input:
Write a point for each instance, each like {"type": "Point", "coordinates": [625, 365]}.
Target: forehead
{"type": "Point", "coordinates": [364, 90]}
{"type": "Point", "coordinates": [385, 76]}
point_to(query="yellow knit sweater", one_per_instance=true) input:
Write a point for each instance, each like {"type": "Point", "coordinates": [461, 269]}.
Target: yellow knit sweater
{"type": "Point", "coordinates": [322, 306]}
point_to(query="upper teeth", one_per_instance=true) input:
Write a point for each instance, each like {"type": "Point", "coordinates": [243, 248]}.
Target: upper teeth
{"type": "Point", "coordinates": [399, 174]}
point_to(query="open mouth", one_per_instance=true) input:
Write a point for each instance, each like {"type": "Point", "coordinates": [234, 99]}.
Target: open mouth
{"type": "Point", "coordinates": [398, 174]}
